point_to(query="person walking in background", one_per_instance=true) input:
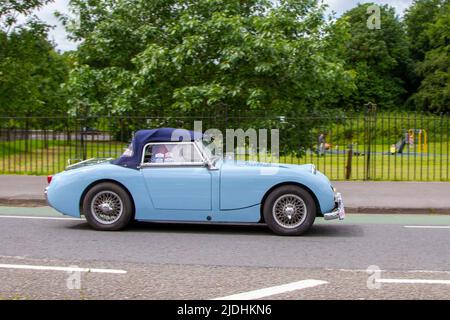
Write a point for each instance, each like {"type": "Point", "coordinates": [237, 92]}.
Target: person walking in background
{"type": "Point", "coordinates": [321, 144]}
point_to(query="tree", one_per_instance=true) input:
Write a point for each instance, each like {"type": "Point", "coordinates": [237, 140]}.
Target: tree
{"type": "Point", "coordinates": [31, 71]}
{"type": "Point", "coordinates": [203, 56]}
{"type": "Point", "coordinates": [10, 10]}
{"type": "Point", "coordinates": [31, 74]}
{"type": "Point", "coordinates": [428, 24]}
{"type": "Point", "coordinates": [379, 57]}
{"type": "Point", "coordinates": [418, 18]}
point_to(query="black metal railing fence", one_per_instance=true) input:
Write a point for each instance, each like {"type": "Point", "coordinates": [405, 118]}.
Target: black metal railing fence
{"type": "Point", "coordinates": [369, 146]}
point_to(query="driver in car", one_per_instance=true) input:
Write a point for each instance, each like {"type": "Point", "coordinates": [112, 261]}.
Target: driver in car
{"type": "Point", "coordinates": [158, 153]}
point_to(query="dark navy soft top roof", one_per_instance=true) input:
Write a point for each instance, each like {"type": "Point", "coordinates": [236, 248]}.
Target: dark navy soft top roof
{"type": "Point", "coordinates": [132, 158]}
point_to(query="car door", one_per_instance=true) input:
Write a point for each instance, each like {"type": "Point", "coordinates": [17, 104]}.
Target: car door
{"type": "Point", "coordinates": [176, 176]}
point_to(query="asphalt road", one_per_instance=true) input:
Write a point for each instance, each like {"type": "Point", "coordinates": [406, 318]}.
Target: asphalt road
{"type": "Point", "coordinates": [170, 261]}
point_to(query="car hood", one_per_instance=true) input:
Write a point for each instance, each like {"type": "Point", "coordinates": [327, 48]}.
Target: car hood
{"type": "Point", "coordinates": [253, 179]}
{"type": "Point", "coordinates": [241, 163]}
{"type": "Point", "coordinates": [271, 168]}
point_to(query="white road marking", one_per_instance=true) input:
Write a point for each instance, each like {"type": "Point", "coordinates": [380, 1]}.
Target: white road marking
{"type": "Point", "coordinates": [41, 218]}
{"type": "Point", "coordinates": [391, 271]}
{"type": "Point", "coordinates": [427, 227]}
{"type": "Point", "coordinates": [413, 281]}
{"type": "Point", "coordinates": [266, 292]}
{"type": "Point", "coordinates": [54, 268]}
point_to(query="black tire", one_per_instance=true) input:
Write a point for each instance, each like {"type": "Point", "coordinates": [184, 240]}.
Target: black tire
{"type": "Point", "coordinates": [123, 201]}
{"type": "Point", "coordinates": [301, 199]}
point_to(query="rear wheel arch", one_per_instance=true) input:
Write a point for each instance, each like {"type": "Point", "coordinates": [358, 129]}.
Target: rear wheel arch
{"type": "Point", "coordinates": [290, 183]}
{"type": "Point", "coordinates": [93, 184]}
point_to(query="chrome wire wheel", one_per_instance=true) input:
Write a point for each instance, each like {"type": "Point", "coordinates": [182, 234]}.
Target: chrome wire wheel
{"type": "Point", "coordinates": [106, 207]}
{"type": "Point", "coordinates": [289, 211]}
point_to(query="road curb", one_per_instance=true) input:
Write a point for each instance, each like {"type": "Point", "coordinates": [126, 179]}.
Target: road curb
{"type": "Point", "coordinates": [14, 202]}
{"type": "Point", "coordinates": [19, 202]}
{"type": "Point", "coordinates": [391, 210]}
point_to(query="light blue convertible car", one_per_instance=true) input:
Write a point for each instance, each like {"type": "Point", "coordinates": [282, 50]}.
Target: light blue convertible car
{"type": "Point", "coordinates": [159, 179]}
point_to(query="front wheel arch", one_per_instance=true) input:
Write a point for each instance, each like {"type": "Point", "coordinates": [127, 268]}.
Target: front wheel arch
{"type": "Point", "coordinates": [291, 183]}
{"type": "Point", "coordinates": [93, 184]}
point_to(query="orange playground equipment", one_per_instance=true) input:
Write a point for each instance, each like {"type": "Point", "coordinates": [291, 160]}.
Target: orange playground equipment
{"type": "Point", "coordinates": [418, 137]}
{"type": "Point", "coordinates": [416, 140]}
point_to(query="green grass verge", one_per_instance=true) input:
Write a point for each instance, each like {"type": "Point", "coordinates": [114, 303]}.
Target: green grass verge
{"type": "Point", "coordinates": [42, 158]}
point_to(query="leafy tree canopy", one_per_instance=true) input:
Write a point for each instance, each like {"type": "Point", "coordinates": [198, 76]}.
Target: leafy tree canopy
{"type": "Point", "coordinates": [10, 10]}
{"type": "Point", "coordinates": [429, 32]}
{"type": "Point", "coordinates": [204, 56]}
{"type": "Point", "coordinates": [31, 71]}
{"type": "Point", "coordinates": [418, 19]}
{"type": "Point", "coordinates": [379, 57]}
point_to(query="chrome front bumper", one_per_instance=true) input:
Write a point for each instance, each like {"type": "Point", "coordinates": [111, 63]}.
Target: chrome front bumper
{"type": "Point", "coordinates": [338, 211]}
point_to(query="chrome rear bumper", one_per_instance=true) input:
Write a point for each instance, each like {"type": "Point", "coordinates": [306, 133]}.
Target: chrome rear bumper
{"type": "Point", "coordinates": [46, 196]}
{"type": "Point", "coordinates": [339, 210]}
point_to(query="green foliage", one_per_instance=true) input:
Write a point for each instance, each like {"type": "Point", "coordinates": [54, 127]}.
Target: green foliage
{"type": "Point", "coordinates": [378, 57]}
{"type": "Point", "coordinates": [429, 31]}
{"type": "Point", "coordinates": [204, 56]}
{"type": "Point", "coordinates": [31, 73]}
{"type": "Point", "coordinates": [10, 9]}
{"type": "Point", "coordinates": [225, 57]}
{"type": "Point", "coordinates": [418, 19]}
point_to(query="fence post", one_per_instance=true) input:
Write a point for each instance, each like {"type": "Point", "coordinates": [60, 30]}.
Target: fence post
{"type": "Point", "coordinates": [370, 127]}
{"type": "Point", "coordinates": [80, 152]}
{"type": "Point", "coordinates": [348, 167]}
